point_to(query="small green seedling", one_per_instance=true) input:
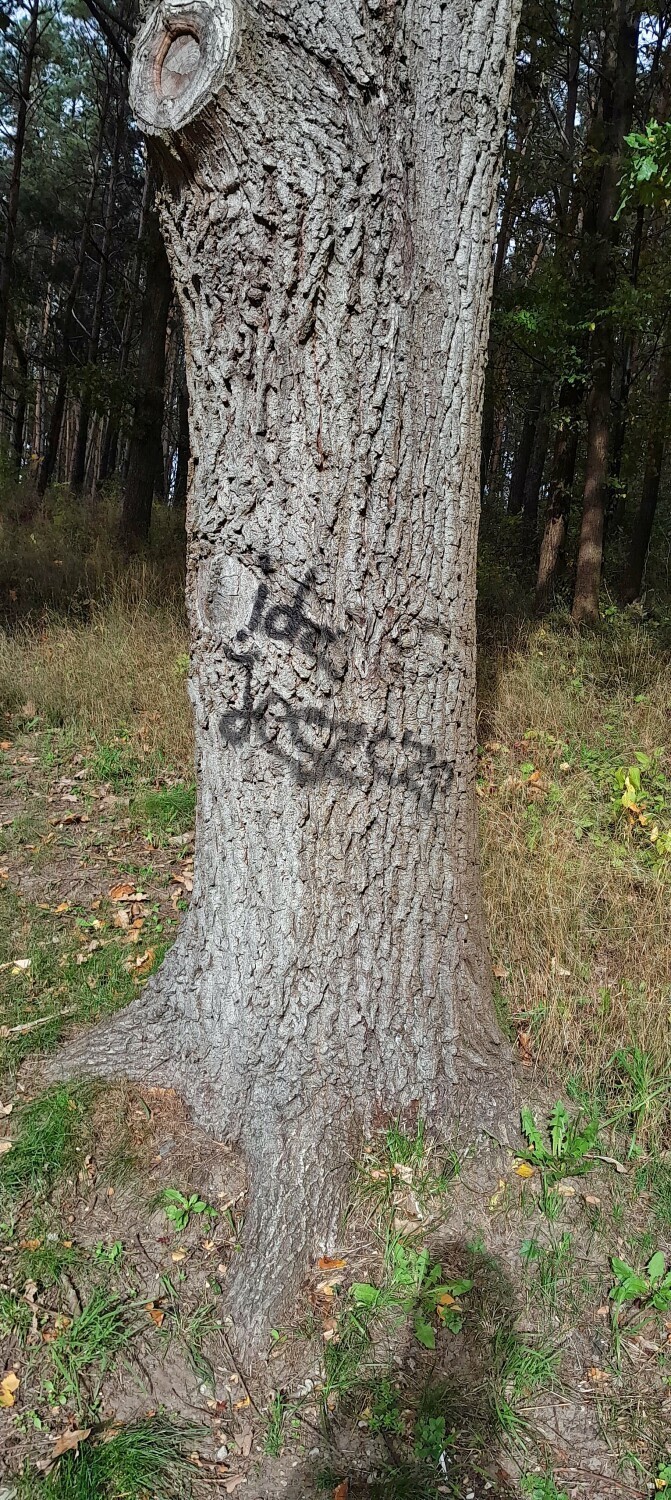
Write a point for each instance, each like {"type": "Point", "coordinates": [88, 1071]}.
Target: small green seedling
{"type": "Point", "coordinates": [647, 1289]}
{"type": "Point", "coordinates": [179, 1209]}
{"type": "Point", "coordinates": [663, 1482]}
{"type": "Point", "coordinates": [109, 1254]}
{"type": "Point", "coordinates": [431, 1439]}
{"type": "Point", "coordinates": [541, 1487]}
{"type": "Point", "coordinates": [385, 1414]}
{"type": "Point", "coordinates": [566, 1151]}
{"type": "Point", "coordinates": [416, 1287]}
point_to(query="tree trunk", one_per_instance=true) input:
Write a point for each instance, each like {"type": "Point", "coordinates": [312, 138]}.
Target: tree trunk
{"type": "Point", "coordinates": [618, 83]}
{"type": "Point", "coordinates": [659, 418]}
{"type": "Point", "coordinates": [78, 471]}
{"type": "Point", "coordinates": [108, 459]}
{"type": "Point", "coordinates": [518, 477]}
{"type": "Point", "coordinates": [145, 463]}
{"type": "Point", "coordinates": [20, 397]}
{"type": "Point", "coordinates": [536, 465]}
{"type": "Point", "coordinates": [7, 261]}
{"type": "Point", "coordinates": [48, 463]}
{"type": "Point", "coordinates": [330, 220]}
{"type": "Point", "coordinates": [560, 489]}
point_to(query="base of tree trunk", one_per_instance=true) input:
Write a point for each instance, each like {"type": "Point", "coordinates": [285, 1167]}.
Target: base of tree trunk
{"type": "Point", "coordinates": [300, 1154]}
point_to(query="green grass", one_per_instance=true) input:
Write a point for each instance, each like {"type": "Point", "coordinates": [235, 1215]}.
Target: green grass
{"type": "Point", "coordinates": [550, 1271]}
{"type": "Point", "coordinates": [52, 1134]}
{"type": "Point", "coordinates": [149, 1458]}
{"type": "Point", "coordinates": [405, 1481]}
{"type": "Point", "coordinates": [171, 810]}
{"type": "Point", "coordinates": [45, 1262]}
{"type": "Point", "coordinates": [57, 989]}
{"type": "Point", "coordinates": [83, 1353]}
{"type": "Point", "coordinates": [191, 1329]}
{"type": "Point", "coordinates": [654, 1177]}
{"type": "Point", "coordinates": [15, 1316]}
{"type": "Point", "coordinates": [520, 1371]}
{"type": "Point", "coordinates": [278, 1412]}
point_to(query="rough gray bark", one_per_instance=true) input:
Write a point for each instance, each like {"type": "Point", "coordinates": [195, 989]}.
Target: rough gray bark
{"type": "Point", "coordinates": [329, 211]}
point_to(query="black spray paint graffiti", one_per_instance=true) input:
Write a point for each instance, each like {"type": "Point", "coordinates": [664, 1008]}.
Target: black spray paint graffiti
{"type": "Point", "coordinates": [290, 622]}
{"type": "Point", "coordinates": [317, 748]}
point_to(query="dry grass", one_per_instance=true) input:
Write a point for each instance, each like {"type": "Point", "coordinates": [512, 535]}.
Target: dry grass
{"type": "Point", "coordinates": [578, 910]}
{"type": "Point", "coordinates": [123, 670]}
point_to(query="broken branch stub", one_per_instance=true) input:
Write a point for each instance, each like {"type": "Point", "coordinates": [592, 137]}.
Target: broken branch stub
{"type": "Point", "coordinates": [182, 54]}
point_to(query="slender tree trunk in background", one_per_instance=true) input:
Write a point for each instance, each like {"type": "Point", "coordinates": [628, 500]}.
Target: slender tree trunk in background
{"type": "Point", "coordinates": [38, 416]}
{"type": "Point", "coordinates": [573, 42]}
{"type": "Point", "coordinates": [78, 472]}
{"type": "Point", "coordinates": [536, 466]}
{"type": "Point", "coordinates": [534, 82]}
{"type": "Point", "coordinates": [12, 212]}
{"type": "Point", "coordinates": [145, 461]}
{"type": "Point", "coordinates": [565, 447]}
{"type": "Point", "coordinates": [560, 490]}
{"type": "Point", "coordinates": [525, 445]}
{"type": "Point", "coordinates": [108, 461]}
{"type": "Point", "coordinates": [330, 220]}
{"type": "Point", "coordinates": [658, 430]}
{"type": "Point", "coordinates": [20, 398]}
{"type": "Point", "coordinates": [618, 83]}
{"type": "Point", "coordinates": [614, 499]}
{"type": "Point", "coordinates": [48, 464]}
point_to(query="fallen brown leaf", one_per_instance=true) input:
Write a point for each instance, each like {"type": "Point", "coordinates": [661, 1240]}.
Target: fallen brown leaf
{"type": "Point", "coordinates": [145, 961]}
{"type": "Point", "coordinates": [156, 1314]}
{"type": "Point", "coordinates": [341, 1490]}
{"type": "Point", "coordinates": [9, 1385]}
{"type": "Point", "coordinates": [328, 1263]}
{"type": "Point", "coordinates": [68, 1442]}
{"type": "Point", "coordinates": [245, 1401]}
{"type": "Point", "coordinates": [524, 1047]}
{"type": "Point", "coordinates": [122, 892]}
